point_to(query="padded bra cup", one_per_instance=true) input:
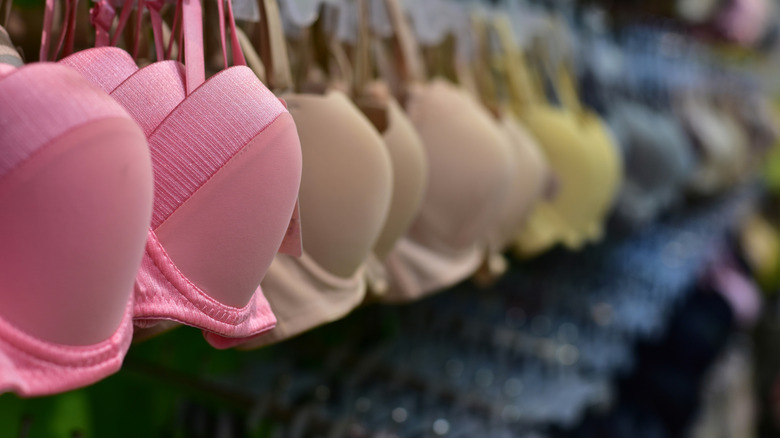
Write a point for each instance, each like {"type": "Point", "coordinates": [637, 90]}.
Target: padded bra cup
{"type": "Point", "coordinates": [587, 164]}
{"type": "Point", "coordinates": [470, 167]}
{"type": "Point", "coordinates": [410, 175]}
{"type": "Point", "coordinates": [530, 178]}
{"type": "Point", "coordinates": [76, 193]}
{"type": "Point", "coordinates": [570, 159]}
{"type": "Point", "coordinates": [347, 181]}
{"type": "Point", "coordinates": [227, 169]}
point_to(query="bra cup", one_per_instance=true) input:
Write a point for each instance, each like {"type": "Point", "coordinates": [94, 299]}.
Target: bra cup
{"type": "Point", "coordinates": [469, 163]}
{"type": "Point", "coordinates": [573, 165]}
{"type": "Point", "coordinates": [528, 183]}
{"type": "Point", "coordinates": [346, 184]}
{"type": "Point", "coordinates": [75, 211]}
{"type": "Point", "coordinates": [74, 220]}
{"type": "Point", "coordinates": [607, 171]}
{"type": "Point", "coordinates": [224, 237]}
{"type": "Point", "coordinates": [410, 177]}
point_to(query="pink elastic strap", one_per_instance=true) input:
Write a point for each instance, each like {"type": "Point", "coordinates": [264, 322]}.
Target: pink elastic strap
{"type": "Point", "coordinates": [123, 17]}
{"type": "Point", "coordinates": [174, 31]}
{"type": "Point", "coordinates": [102, 17]}
{"type": "Point", "coordinates": [48, 17]}
{"type": "Point", "coordinates": [221, 13]}
{"type": "Point", "coordinates": [139, 18]}
{"type": "Point", "coordinates": [71, 27]}
{"type": "Point", "coordinates": [235, 47]}
{"type": "Point", "coordinates": [63, 31]}
{"type": "Point", "coordinates": [192, 24]}
{"type": "Point", "coordinates": [238, 54]}
{"type": "Point", "coordinates": [154, 14]}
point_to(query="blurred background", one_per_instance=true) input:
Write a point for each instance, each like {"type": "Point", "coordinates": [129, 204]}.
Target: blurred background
{"type": "Point", "coordinates": [663, 320]}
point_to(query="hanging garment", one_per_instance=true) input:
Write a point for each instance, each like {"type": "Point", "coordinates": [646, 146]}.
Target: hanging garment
{"type": "Point", "coordinates": [470, 167]}
{"type": "Point", "coordinates": [227, 169]}
{"type": "Point", "coordinates": [469, 172]}
{"type": "Point", "coordinates": [76, 189]}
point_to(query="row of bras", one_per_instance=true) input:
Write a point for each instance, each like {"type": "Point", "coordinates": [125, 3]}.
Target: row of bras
{"type": "Point", "coordinates": [194, 166]}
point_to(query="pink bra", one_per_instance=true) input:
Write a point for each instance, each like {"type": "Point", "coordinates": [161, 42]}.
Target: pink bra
{"type": "Point", "coordinates": [76, 190]}
{"type": "Point", "coordinates": [227, 167]}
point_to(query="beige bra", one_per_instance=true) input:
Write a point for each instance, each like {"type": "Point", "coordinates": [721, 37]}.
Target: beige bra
{"type": "Point", "coordinates": [471, 165]}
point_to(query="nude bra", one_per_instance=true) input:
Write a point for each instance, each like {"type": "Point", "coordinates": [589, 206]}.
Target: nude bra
{"type": "Point", "coordinates": [76, 189]}
{"type": "Point", "coordinates": [227, 167]}
{"type": "Point", "coordinates": [470, 168]}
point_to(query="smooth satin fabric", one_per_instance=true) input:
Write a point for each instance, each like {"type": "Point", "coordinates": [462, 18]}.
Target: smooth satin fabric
{"type": "Point", "coordinates": [532, 176]}
{"type": "Point", "coordinates": [76, 186]}
{"type": "Point", "coordinates": [470, 171]}
{"type": "Point", "coordinates": [410, 177]}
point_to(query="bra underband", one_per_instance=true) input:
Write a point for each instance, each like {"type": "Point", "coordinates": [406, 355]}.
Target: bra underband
{"type": "Point", "coordinates": [303, 295]}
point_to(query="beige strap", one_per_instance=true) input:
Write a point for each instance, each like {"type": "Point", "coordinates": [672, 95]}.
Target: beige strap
{"type": "Point", "coordinates": [412, 67]}
{"type": "Point", "coordinates": [269, 37]}
{"type": "Point", "coordinates": [519, 77]}
{"type": "Point", "coordinates": [253, 60]}
{"type": "Point", "coordinates": [363, 73]}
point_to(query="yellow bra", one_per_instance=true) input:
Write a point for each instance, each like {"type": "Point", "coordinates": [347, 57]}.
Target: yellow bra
{"type": "Point", "coordinates": [579, 149]}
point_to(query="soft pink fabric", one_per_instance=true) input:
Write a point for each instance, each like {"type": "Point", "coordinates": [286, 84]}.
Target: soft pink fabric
{"type": "Point", "coordinates": [214, 132]}
{"type": "Point", "coordinates": [76, 202]}
{"type": "Point", "coordinates": [75, 104]}
{"type": "Point", "coordinates": [106, 67]}
{"type": "Point", "coordinates": [32, 367]}
{"type": "Point", "coordinates": [227, 165]}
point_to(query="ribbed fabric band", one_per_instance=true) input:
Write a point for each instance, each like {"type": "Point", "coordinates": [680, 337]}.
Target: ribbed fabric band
{"type": "Point", "coordinates": [204, 132]}
{"type": "Point", "coordinates": [106, 67]}
{"type": "Point", "coordinates": [34, 121]}
{"type": "Point", "coordinates": [149, 96]}
{"type": "Point", "coordinates": [32, 367]}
